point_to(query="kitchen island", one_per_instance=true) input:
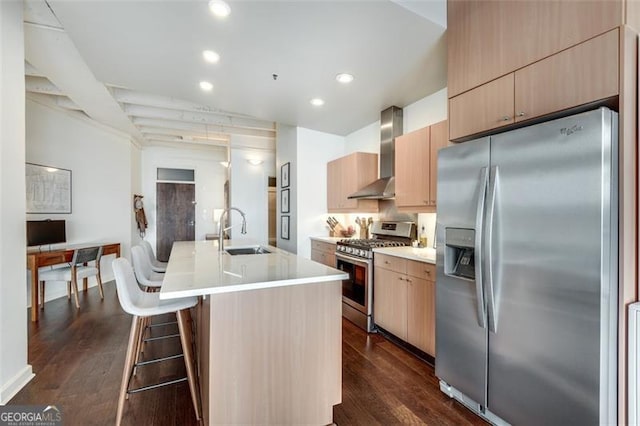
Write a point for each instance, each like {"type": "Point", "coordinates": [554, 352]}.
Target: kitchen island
{"type": "Point", "coordinates": [269, 333]}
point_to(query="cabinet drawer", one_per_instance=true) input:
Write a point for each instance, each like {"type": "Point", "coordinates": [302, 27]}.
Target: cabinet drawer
{"type": "Point", "coordinates": [392, 263]}
{"type": "Point", "coordinates": [322, 246]}
{"type": "Point", "coordinates": [422, 270]}
{"type": "Point", "coordinates": [51, 259]}
{"type": "Point", "coordinates": [484, 108]}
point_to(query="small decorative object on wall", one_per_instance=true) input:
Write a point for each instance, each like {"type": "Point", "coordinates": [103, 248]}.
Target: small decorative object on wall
{"type": "Point", "coordinates": [284, 175]}
{"type": "Point", "coordinates": [284, 228]}
{"type": "Point", "coordinates": [48, 189]}
{"type": "Point", "coordinates": [141, 218]}
{"type": "Point", "coordinates": [284, 201]}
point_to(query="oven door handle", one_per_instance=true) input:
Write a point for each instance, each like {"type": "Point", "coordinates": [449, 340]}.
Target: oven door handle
{"type": "Point", "coordinates": [354, 260]}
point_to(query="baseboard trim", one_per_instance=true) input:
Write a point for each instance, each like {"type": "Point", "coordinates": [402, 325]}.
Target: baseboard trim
{"type": "Point", "coordinates": [13, 386]}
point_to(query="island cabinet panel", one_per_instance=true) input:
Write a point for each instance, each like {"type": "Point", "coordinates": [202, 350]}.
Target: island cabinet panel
{"type": "Point", "coordinates": [404, 300]}
{"type": "Point", "coordinates": [488, 39]}
{"type": "Point", "coordinates": [274, 355]}
{"type": "Point", "coordinates": [323, 252]}
{"type": "Point", "coordinates": [345, 176]}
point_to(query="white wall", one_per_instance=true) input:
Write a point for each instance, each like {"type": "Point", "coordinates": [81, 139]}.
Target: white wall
{"type": "Point", "coordinates": [425, 112]}
{"type": "Point", "coordinates": [100, 162]}
{"type": "Point", "coordinates": [136, 188]}
{"type": "Point", "coordinates": [14, 370]}
{"type": "Point", "coordinates": [287, 152]}
{"type": "Point", "coordinates": [210, 176]}
{"type": "Point", "coordinates": [314, 150]}
{"type": "Point", "coordinates": [248, 191]}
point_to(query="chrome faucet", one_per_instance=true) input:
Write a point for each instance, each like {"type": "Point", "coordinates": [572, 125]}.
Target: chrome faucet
{"type": "Point", "coordinates": [223, 229]}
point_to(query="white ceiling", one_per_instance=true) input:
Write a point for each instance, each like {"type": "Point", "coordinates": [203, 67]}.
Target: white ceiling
{"type": "Point", "coordinates": [396, 50]}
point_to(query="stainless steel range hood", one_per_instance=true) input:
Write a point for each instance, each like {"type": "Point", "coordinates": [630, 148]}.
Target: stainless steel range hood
{"type": "Point", "coordinates": [385, 187]}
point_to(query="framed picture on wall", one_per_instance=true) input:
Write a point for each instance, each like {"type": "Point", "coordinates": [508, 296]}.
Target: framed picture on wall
{"type": "Point", "coordinates": [284, 227]}
{"type": "Point", "coordinates": [284, 201]}
{"type": "Point", "coordinates": [284, 175]}
{"type": "Point", "coordinates": [48, 189]}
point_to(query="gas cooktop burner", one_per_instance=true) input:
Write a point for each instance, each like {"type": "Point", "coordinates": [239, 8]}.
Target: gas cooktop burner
{"type": "Point", "coordinates": [363, 248]}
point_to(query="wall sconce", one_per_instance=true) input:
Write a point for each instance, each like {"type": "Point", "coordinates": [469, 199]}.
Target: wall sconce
{"type": "Point", "coordinates": [225, 164]}
{"type": "Point", "coordinates": [255, 161]}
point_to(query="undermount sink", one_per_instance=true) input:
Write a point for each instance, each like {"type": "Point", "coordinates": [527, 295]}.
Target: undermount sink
{"type": "Point", "coordinates": [233, 251]}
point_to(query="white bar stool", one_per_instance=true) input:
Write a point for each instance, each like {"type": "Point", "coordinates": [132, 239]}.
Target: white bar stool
{"type": "Point", "coordinates": [156, 265]}
{"type": "Point", "coordinates": [142, 268]}
{"type": "Point", "coordinates": [142, 306]}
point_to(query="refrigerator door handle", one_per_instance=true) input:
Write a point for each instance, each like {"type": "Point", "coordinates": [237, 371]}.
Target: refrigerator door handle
{"type": "Point", "coordinates": [491, 292]}
{"type": "Point", "coordinates": [478, 248]}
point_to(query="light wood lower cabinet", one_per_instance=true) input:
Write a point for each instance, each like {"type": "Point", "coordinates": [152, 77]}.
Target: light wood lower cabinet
{"type": "Point", "coordinates": [404, 300]}
{"type": "Point", "coordinates": [584, 73]}
{"type": "Point", "coordinates": [323, 252]}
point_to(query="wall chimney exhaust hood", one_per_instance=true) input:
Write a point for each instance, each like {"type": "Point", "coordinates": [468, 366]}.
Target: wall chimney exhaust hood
{"type": "Point", "coordinates": [385, 187]}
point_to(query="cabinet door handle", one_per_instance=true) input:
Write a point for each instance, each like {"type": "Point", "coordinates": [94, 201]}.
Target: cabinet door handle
{"type": "Point", "coordinates": [521, 114]}
{"type": "Point", "coordinates": [428, 272]}
{"type": "Point", "coordinates": [425, 201]}
{"type": "Point", "coordinates": [386, 262]}
{"type": "Point", "coordinates": [401, 279]}
{"type": "Point", "coordinates": [408, 280]}
{"type": "Point", "coordinates": [505, 118]}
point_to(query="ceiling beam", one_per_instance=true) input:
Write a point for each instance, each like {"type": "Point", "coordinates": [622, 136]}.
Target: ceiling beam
{"type": "Point", "coordinates": [41, 85]}
{"type": "Point", "coordinates": [31, 71]}
{"type": "Point", "coordinates": [54, 54]}
{"type": "Point", "coordinates": [127, 96]}
{"type": "Point", "coordinates": [152, 131]}
{"type": "Point", "coordinates": [199, 117]}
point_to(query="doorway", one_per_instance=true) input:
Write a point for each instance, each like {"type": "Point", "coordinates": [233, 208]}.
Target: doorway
{"type": "Point", "coordinates": [175, 216]}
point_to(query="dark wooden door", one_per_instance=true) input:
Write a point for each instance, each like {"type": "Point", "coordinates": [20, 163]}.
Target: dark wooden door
{"type": "Point", "coordinates": [176, 216]}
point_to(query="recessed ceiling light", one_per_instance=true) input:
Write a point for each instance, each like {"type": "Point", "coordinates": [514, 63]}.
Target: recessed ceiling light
{"type": "Point", "coordinates": [317, 102]}
{"type": "Point", "coordinates": [206, 86]}
{"type": "Point", "coordinates": [219, 8]}
{"type": "Point", "coordinates": [344, 78]}
{"type": "Point", "coordinates": [210, 56]}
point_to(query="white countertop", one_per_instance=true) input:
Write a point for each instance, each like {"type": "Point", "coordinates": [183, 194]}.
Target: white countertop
{"type": "Point", "coordinates": [331, 240]}
{"type": "Point", "coordinates": [197, 268]}
{"type": "Point", "coordinates": [427, 255]}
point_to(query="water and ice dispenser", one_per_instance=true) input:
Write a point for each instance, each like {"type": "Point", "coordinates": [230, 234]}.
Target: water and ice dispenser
{"type": "Point", "coordinates": [459, 253]}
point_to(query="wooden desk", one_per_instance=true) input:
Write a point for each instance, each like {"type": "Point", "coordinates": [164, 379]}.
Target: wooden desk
{"type": "Point", "coordinates": [38, 259]}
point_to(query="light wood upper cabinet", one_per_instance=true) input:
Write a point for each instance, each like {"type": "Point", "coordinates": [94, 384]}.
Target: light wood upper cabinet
{"type": "Point", "coordinates": [439, 139]}
{"type": "Point", "coordinates": [412, 169]}
{"type": "Point", "coordinates": [416, 167]}
{"type": "Point", "coordinates": [576, 76]}
{"type": "Point", "coordinates": [345, 176]}
{"type": "Point", "coordinates": [484, 108]}
{"type": "Point", "coordinates": [579, 75]}
{"type": "Point", "coordinates": [488, 39]}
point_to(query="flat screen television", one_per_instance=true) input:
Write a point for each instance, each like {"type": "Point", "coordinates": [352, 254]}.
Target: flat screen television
{"type": "Point", "coordinates": [40, 232]}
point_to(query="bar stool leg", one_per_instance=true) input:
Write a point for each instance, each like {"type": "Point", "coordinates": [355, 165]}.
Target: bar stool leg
{"type": "Point", "coordinates": [184, 325]}
{"type": "Point", "coordinates": [100, 285]}
{"type": "Point", "coordinates": [128, 366]}
{"type": "Point", "coordinates": [69, 290]}
{"type": "Point", "coordinates": [42, 285]}
{"type": "Point", "coordinates": [74, 283]}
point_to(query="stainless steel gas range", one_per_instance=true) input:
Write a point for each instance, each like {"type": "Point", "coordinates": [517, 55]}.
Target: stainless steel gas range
{"type": "Point", "coordinates": [355, 257]}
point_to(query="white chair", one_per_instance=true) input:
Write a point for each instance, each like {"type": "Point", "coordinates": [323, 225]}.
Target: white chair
{"type": "Point", "coordinates": [143, 306]}
{"type": "Point", "coordinates": [156, 265]}
{"type": "Point", "coordinates": [142, 268]}
{"type": "Point", "coordinates": [74, 272]}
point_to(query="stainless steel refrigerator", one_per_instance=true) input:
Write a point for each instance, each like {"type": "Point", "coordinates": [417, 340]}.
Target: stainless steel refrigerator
{"type": "Point", "coordinates": [527, 272]}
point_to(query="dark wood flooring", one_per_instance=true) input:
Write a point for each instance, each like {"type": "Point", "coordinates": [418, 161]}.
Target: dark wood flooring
{"type": "Point", "coordinates": [78, 357]}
